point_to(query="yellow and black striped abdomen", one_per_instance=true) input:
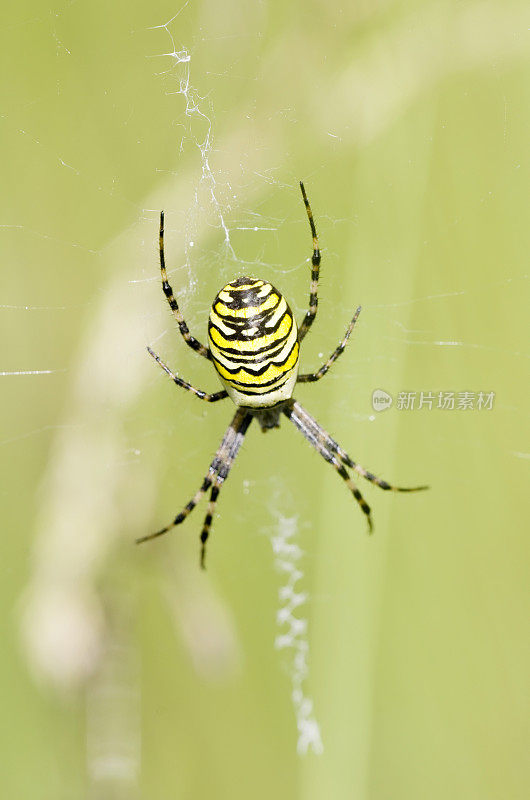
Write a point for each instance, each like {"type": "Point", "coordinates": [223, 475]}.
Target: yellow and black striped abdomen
{"type": "Point", "coordinates": [253, 340]}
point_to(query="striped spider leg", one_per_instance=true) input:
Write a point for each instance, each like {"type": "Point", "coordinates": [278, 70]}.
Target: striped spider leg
{"type": "Point", "coordinates": [334, 454]}
{"type": "Point", "coordinates": [311, 377]}
{"type": "Point", "coordinates": [315, 272]}
{"type": "Point", "coordinates": [217, 473]}
{"type": "Point", "coordinates": [190, 340]}
{"type": "Point", "coordinates": [209, 398]}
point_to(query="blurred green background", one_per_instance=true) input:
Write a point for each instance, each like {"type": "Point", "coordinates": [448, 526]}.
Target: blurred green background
{"type": "Point", "coordinates": [126, 672]}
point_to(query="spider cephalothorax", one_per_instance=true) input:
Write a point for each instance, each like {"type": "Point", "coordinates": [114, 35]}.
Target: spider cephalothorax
{"type": "Point", "coordinates": [254, 343]}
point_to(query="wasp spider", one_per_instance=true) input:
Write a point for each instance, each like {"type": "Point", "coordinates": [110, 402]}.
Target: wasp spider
{"type": "Point", "coordinates": [254, 344]}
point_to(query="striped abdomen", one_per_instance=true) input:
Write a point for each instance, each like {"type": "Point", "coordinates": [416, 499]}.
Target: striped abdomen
{"type": "Point", "coordinates": [253, 340]}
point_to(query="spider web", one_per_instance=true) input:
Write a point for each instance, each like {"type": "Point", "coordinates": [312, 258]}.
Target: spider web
{"type": "Point", "coordinates": [292, 635]}
{"type": "Point", "coordinates": [293, 628]}
{"type": "Point", "coordinates": [214, 181]}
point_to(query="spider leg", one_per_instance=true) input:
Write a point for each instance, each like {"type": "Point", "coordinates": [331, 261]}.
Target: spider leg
{"type": "Point", "coordinates": [181, 516]}
{"type": "Point", "coordinates": [315, 271]}
{"type": "Point", "coordinates": [222, 475]}
{"type": "Point", "coordinates": [334, 447]}
{"type": "Point", "coordinates": [369, 476]}
{"type": "Point", "coordinates": [316, 437]}
{"type": "Point", "coordinates": [217, 471]}
{"type": "Point", "coordinates": [208, 522]}
{"type": "Point", "coordinates": [315, 376]}
{"type": "Point", "coordinates": [210, 398]}
{"type": "Point", "coordinates": [190, 340]}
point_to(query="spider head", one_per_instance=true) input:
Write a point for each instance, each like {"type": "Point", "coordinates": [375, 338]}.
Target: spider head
{"type": "Point", "coordinates": [269, 418]}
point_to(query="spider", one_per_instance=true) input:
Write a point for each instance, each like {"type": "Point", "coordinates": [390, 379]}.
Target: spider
{"type": "Point", "coordinates": [254, 345]}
